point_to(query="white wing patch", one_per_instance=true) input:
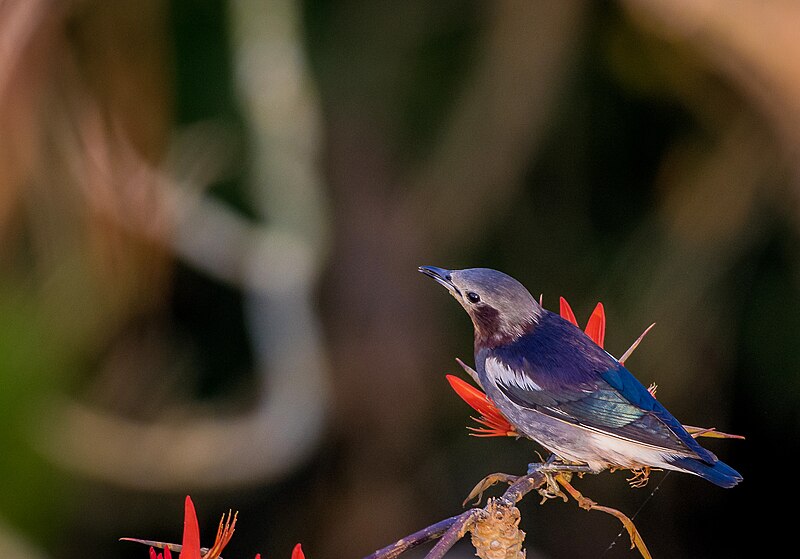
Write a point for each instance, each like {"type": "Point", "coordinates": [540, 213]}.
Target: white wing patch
{"type": "Point", "coordinates": [508, 376]}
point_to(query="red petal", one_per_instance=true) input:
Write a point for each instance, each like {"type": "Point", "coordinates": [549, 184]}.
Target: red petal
{"type": "Point", "coordinates": [474, 397]}
{"type": "Point", "coordinates": [191, 532]}
{"type": "Point", "coordinates": [153, 554]}
{"type": "Point", "coordinates": [167, 553]}
{"type": "Point", "coordinates": [492, 417]}
{"type": "Point", "coordinates": [297, 552]}
{"type": "Point", "coordinates": [566, 311]}
{"type": "Point", "coordinates": [596, 327]}
{"type": "Point", "coordinates": [492, 428]}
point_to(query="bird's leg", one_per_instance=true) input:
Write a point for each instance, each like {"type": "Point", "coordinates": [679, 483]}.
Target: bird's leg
{"type": "Point", "coordinates": [486, 483]}
{"type": "Point", "coordinates": [548, 468]}
{"type": "Point", "coordinates": [554, 464]}
{"type": "Point", "coordinates": [545, 468]}
{"type": "Point", "coordinates": [551, 490]}
{"type": "Point", "coordinates": [552, 467]}
{"type": "Point", "coordinates": [536, 466]}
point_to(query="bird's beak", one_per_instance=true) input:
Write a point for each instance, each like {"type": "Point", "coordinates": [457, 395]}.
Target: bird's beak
{"type": "Point", "coordinates": [440, 275]}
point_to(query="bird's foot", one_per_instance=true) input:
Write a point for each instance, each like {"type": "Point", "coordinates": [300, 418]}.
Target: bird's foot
{"type": "Point", "coordinates": [534, 467]}
{"type": "Point", "coordinates": [554, 468]}
{"type": "Point", "coordinates": [548, 468]}
{"type": "Point", "coordinates": [552, 490]}
{"type": "Point", "coordinates": [640, 476]}
{"type": "Point", "coordinates": [486, 483]}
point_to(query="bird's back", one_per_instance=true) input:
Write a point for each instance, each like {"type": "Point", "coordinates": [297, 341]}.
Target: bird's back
{"type": "Point", "coordinates": [558, 371]}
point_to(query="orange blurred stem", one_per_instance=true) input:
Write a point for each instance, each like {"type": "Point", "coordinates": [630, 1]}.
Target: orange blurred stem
{"type": "Point", "coordinates": [587, 504]}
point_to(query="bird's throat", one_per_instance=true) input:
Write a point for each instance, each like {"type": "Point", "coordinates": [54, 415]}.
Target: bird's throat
{"type": "Point", "coordinates": [491, 331]}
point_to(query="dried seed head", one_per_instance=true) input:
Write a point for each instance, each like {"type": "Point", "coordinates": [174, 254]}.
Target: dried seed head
{"type": "Point", "coordinates": [497, 535]}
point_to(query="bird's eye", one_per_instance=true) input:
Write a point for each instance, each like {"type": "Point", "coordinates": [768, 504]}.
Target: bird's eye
{"type": "Point", "coordinates": [473, 297]}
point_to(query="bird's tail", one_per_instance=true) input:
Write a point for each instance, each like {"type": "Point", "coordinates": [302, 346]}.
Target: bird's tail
{"type": "Point", "coordinates": [718, 473]}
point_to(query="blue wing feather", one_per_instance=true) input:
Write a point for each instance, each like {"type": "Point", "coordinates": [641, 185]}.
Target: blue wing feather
{"type": "Point", "coordinates": [582, 383]}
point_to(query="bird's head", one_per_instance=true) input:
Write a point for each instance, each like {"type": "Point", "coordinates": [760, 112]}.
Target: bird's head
{"type": "Point", "coordinates": [500, 307]}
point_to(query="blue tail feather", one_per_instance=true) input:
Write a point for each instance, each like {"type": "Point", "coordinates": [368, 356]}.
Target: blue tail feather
{"type": "Point", "coordinates": [718, 473]}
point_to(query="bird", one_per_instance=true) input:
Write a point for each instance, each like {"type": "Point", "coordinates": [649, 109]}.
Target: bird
{"type": "Point", "coordinates": [560, 389]}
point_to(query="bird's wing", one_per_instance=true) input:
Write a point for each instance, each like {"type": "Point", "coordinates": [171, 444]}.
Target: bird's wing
{"type": "Point", "coordinates": [560, 372]}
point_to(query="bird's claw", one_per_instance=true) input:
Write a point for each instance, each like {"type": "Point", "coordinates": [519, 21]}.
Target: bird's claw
{"type": "Point", "coordinates": [554, 469]}
{"type": "Point", "coordinates": [551, 490]}
{"type": "Point", "coordinates": [640, 476]}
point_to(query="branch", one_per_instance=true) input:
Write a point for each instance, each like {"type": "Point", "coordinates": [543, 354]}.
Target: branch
{"type": "Point", "coordinates": [497, 524]}
{"type": "Point", "coordinates": [451, 530]}
{"type": "Point", "coordinates": [425, 535]}
{"type": "Point", "coordinates": [457, 531]}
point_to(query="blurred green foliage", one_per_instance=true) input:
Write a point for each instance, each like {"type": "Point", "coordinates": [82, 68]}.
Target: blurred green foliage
{"type": "Point", "coordinates": [32, 370]}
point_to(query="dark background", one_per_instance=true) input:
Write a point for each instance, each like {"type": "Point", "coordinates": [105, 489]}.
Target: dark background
{"type": "Point", "coordinates": [211, 215]}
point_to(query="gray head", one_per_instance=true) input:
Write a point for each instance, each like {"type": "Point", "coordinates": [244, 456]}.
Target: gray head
{"type": "Point", "coordinates": [500, 307]}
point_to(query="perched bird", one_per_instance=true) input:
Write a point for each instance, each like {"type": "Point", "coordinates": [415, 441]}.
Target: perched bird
{"type": "Point", "coordinates": [557, 387]}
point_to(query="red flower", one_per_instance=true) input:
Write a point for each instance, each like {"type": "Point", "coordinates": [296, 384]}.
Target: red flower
{"type": "Point", "coordinates": [166, 555]}
{"type": "Point", "coordinates": [190, 548]}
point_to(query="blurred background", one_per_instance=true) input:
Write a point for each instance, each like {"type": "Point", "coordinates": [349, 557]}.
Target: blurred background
{"type": "Point", "coordinates": [211, 215]}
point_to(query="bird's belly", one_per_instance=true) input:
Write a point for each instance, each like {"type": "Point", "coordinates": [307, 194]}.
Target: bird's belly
{"type": "Point", "coordinates": [576, 443]}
